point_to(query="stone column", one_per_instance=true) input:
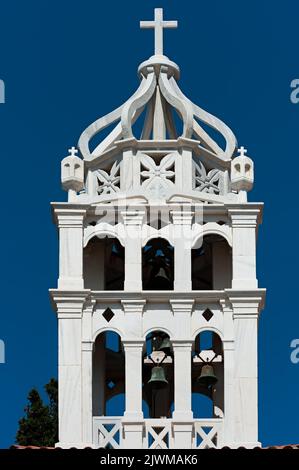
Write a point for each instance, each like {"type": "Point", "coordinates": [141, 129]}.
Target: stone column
{"type": "Point", "coordinates": [244, 227]}
{"type": "Point", "coordinates": [129, 171]}
{"type": "Point", "coordinates": [69, 312]}
{"type": "Point", "coordinates": [245, 314]}
{"type": "Point", "coordinates": [98, 378]}
{"type": "Point", "coordinates": [87, 353]}
{"type": "Point", "coordinates": [184, 165]}
{"type": "Point", "coordinates": [182, 414]}
{"type": "Point", "coordinates": [133, 345]}
{"type": "Point", "coordinates": [133, 249]}
{"type": "Point", "coordinates": [182, 237]}
{"type": "Point", "coordinates": [70, 225]}
{"type": "Point", "coordinates": [228, 435]}
{"type": "Point", "coordinates": [133, 416]}
{"type": "Point", "coordinates": [182, 347]}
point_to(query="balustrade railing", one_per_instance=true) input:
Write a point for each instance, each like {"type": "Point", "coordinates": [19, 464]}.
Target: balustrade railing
{"type": "Point", "coordinates": [108, 433]}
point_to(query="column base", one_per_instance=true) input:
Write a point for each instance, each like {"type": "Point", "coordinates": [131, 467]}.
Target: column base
{"type": "Point", "coordinates": [130, 416]}
{"type": "Point", "coordinates": [183, 434]}
{"type": "Point", "coordinates": [182, 416]}
{"type": "Point", "coordinates": [244, 284]}
{"type": "Point", "coordinates": [133, 286]}
{"type": "Point", "coordinates": [70, 283]}
{"type": "Point", "coordinates": [182, 286]}
{"type": "Point", "coordinates": [132, 434]}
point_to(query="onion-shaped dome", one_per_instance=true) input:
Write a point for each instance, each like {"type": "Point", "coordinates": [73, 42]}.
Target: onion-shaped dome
{"type": "Point", "coordinates": [161, 104]}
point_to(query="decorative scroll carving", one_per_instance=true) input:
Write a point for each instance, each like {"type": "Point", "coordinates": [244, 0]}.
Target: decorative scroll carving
{"type": "Point", "coordinates": [157, 177]}
{"type": "Point", "coordinates": [108, 182]}
{"type": "Point", "coordinates": [206, 182]}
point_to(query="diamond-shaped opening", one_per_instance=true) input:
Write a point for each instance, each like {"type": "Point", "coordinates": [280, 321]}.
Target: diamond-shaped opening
{"type": "Point", "coordinates": [108, 314]}
{"type": "Point", "coordinates": [207, 314]}
{"type": "Point", "coordinates": [111, 384]}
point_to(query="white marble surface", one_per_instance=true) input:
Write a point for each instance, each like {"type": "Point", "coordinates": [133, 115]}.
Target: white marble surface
{"type": "Point", "coordinates": [201, 189]}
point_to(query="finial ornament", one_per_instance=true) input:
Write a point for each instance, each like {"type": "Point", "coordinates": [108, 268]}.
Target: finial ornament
{"type": "Point", "coordinates": [158, 25]}
{"type": "Point", "coordinates": [73, 151]}
{"type": "Point", "coordinates": [72, 173]}
{"type": "Point", "coordinates": [242, 176]}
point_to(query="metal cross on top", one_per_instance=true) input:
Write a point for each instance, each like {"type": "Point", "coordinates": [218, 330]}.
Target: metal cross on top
{"type": "Point", "coordinates": [242, 151]}
{"type": "Point", "coordinates": [158, 25]}
{"type": "Point", "coordinates": [73, 151]}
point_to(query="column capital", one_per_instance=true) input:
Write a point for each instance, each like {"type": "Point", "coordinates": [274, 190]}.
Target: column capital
{"type": "Point", "coordinates": [182, 217]}
{"type": "Point", "coordinates": [89, 305]}
{"type": "Point", "coordinates": [132, 343]}
{"type": "Point", "coordinates": [228, 345]}
{"type": "Point", "coordinates": [87, 346]}
{"type": "Point", "coordinates": [245, 303]}
{"type": "Point", "coordinates": [133, 217]}
{"type": "Point", "coordinates": [182, 344]}
{"type": "Point", "coordinates": [181, 305]}
{"type": "Point", "coordinates": [244, 218]}
{"type": "Point", "coordinates": [69, 304]}
{"type": "Point", "coordinates": [133, 306]}
{"type": "Point", "coordinates": [68, 217]}
{"type": "Point", "coordinates": [225, 305]}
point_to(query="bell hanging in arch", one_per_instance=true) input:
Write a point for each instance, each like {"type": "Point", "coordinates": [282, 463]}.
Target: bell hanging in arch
{"type": "Point", "coordinates": [207, 376]}
{"type": "Point", "coordinates": [158, 379]}
{"type": "Point", "coordinates": [161, 280]}
{"type": "Point", "coordinates": [165, 346]}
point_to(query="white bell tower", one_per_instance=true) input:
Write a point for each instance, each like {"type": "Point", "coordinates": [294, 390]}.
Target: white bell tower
{"type": "Point", "coordinates": [157, 299]}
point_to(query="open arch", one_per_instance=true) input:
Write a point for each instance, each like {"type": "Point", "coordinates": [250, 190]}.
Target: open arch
{"type": "Point", "coordinates": [103, 264]}
{"type": "Point", "coordinates": [163, 330]}
{"type": "Point", "coordinates": [157, 265]}
{"type": "Point", "coordinates": [211, 263]}
{"type": "Point", "coordinates": [157, 396]}
{"type": "Point", "coordinates": [212, 228]}
{"type": "Point", "coordinates": [108, 377]}
{"type": "Point", "coordinates": [212, 329]}
{"type": "Point", "coordinates": [208, 384]}
{"type": "Point", "coordinates": [103, 230]}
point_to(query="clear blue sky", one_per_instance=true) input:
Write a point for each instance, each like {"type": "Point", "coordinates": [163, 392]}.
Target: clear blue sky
{"type": "Point", "coordinates": [67, 63]}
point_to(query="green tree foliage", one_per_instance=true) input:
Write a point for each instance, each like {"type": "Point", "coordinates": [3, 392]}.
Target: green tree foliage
{"type": "Point", "coordinates": [39, 426]}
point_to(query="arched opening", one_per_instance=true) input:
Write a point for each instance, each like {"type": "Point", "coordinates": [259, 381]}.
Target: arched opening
{"type": "Point", "coordinates": [103, 264]}
{"type": "Point", "coordinates": [157, 265]}
{"type": "Point", "coordinates": [108, 378]}
{"type": "Point", "coordinates": [211, 264]}
{"type": "Point", "coordinates": [207, 376]}
{"type": "Point", "coordinates": [157, 375]}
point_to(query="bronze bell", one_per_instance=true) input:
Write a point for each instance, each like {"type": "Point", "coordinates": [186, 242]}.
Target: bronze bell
{"type": "Point", "coordinates": [161, 280]}
{"type": "Point", "coordinates": [162, 274]}
{"type": "Point", "coordinates": [165, 346]}
{"type": "Point", "coordinates": [207, 376]}
{"type": "Point", "coordinates": [158, 379]}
